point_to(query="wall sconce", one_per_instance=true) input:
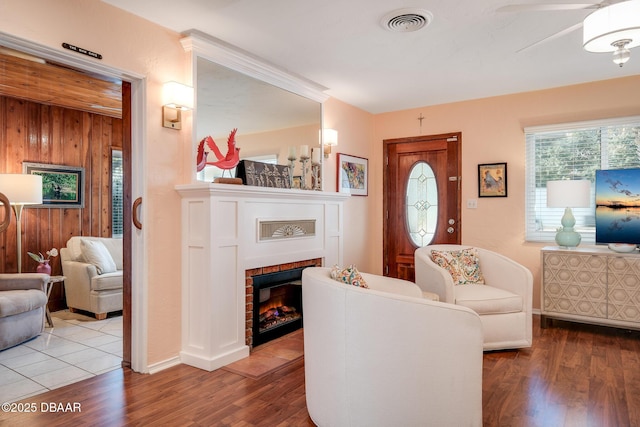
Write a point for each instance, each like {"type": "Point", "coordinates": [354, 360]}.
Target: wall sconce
{"type": "Point", "coordinates": [21, 190]}
{"type": "Point", "coordinates": [176, 98]}
{"type": "Point", "coordinates": [329, 139]}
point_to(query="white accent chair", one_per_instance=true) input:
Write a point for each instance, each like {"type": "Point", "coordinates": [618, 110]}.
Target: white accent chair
{"type": "Point", "coordinates": [88, 285]}
{"type": "Point", "coordinates": [504, 302]}
{"type": "Point", "coordinates": [385, 356]}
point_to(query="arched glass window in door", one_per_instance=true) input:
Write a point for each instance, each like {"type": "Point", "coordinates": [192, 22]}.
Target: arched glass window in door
{"type": "Point", "coordinates": [421, 204]}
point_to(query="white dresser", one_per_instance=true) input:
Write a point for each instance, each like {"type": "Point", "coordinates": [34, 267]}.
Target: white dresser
{"type": "Point", "coordinates": [591, 285]}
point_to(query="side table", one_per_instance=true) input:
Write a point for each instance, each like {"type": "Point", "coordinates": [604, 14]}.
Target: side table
{"type": "Point", "coordinates": [52, 281]}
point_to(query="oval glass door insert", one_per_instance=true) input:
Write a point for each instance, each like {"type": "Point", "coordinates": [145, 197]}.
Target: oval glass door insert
{"type": "Point", "coordinates": [421, 204]}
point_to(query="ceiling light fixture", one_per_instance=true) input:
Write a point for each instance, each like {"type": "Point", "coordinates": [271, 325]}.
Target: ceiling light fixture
{"type": "Point", "coordinates": [614, 28]}
{"type": "Point", "coordinates": [406, 20]}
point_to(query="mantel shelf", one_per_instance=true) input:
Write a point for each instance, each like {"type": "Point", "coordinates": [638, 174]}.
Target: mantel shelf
{"type": "Point", "coordinates": [248, 191]}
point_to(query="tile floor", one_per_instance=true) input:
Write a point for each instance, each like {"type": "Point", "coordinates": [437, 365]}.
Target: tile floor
{"type": "Point", "coordinates": [75, 348]}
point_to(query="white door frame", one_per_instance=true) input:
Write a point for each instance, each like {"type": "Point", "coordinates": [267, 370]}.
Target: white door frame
{"type": "Point", "coordinates": [139, 282]}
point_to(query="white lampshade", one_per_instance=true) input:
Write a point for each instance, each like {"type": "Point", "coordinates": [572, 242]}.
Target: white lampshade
{"type": "Point", "coordinates": [21, 189]}
{"type": "Point", "coordinates": [330, 137]}
{"type": "Point", "coordinates": [569, 194]}
{"type": "Point", "coordinates": [177, 95]}
{"type": "Point", "coordinates": [611, 24]}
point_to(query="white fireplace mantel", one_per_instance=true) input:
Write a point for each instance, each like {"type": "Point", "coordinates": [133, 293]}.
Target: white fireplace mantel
{"type": "Point", "coordinates": [221, 238]}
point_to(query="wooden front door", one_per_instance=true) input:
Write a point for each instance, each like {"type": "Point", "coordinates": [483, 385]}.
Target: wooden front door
{"type": "Point", "coordinates": [421, 198]}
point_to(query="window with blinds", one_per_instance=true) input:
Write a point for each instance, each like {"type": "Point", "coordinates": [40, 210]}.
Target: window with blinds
{"type": "Point", "coordinates": [574, 151]}
{"type": "Point", "coordinates": [117, 221]}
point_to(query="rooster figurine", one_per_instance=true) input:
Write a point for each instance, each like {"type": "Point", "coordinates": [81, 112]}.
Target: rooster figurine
{"type": "Point", "coordinates": [229, 161]}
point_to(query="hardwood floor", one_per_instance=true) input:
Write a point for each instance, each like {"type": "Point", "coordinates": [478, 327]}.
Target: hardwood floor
{"type": "Point", "coordinates": [574, 375]}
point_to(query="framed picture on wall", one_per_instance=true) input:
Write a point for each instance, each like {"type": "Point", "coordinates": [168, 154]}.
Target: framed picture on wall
{"type": "Point", "coordinates": [353, 175]}
{"type": "Point", "coordinates": [62, 186]}
{"type": "Point", "coordinates": [492, 180]}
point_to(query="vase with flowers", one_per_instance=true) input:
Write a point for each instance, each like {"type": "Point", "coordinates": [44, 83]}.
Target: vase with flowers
{"type": "Point", "coordinates": [43, 263]}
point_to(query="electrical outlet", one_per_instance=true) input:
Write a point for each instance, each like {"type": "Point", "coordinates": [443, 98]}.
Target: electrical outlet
{"type": "Point", "coordinates": [472, 203]}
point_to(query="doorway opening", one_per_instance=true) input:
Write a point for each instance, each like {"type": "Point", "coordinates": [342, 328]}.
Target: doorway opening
{"type": "Point", "coordinates": [132, 105]}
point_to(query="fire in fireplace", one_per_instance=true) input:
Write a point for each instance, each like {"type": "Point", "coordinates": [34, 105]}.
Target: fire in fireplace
{"type": "Point", "coordinates": [277, 307]}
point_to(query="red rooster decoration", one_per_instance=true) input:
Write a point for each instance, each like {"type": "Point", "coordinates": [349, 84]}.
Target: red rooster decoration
{"type": "Point", "coordinates": [229, 161]}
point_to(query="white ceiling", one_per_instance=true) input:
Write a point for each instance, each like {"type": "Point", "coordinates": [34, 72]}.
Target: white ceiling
{"type": "Point", "coordinates": [469, 51]}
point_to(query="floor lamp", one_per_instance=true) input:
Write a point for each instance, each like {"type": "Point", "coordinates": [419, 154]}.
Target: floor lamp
{"type": "Point", "coordinates": [21, 190]}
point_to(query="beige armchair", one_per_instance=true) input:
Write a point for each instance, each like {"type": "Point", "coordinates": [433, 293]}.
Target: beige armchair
{"type": "Point", "coordinates": [22, 307]}
{"type": "Point", "coordinates": [504, 302]}
{"type": "Point", "coordinates": [94, 272]}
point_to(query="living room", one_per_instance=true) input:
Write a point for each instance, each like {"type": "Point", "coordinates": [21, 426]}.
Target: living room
{"type": "Point", "coordinates": [492, 131]}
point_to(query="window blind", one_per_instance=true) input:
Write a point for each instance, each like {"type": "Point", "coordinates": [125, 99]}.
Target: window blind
{"type": "Point", "coordinates": [574, 151]}
{"type": "Point", "coordinates": [117, 219]}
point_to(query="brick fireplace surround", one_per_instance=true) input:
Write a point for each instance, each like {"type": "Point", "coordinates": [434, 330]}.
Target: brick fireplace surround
{"type": "Point", "coordinates": [249, 274]}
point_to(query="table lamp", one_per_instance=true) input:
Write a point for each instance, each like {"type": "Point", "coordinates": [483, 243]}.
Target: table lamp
{"type": "Point", "coordinates": [568, 194]}
{"type": "Point", "coordinates": [21, 190]}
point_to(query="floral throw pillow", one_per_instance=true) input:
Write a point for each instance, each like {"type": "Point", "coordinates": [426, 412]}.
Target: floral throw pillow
{"type": "Point", "coordinates": [463, 265]}
{"type": "Point", "coordinates": [349, 275]}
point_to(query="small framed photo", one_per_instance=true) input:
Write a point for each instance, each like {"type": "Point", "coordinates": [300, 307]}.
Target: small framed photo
{"type": "Point", "coordinates": [353, 175]}
{"type": "Point", "coordinates": [62, 186]}
{"type": "Point", "coordinates": [492, 180]}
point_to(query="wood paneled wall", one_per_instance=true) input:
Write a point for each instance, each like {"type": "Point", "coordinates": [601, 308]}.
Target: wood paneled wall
{"type": "Point", "coordinates": [34, 132]}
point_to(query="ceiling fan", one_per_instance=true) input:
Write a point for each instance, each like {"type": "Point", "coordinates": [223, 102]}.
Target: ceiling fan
{"type": "Point", "coordinates": [614, 26]}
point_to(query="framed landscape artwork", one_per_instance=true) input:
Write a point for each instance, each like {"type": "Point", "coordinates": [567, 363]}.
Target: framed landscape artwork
{"type": "Point", "coordinates": [492, 180]}
{"type": "Point", "coordinates": [62, 186]}
{"type": "Point", "coordinates": [353, 175]}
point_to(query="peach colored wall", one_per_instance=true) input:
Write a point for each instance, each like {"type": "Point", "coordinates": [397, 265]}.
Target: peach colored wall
{"type": "Point", "coordinates": [134, 45]}
{"type": "Point", "coordinates": [355, 133]}
{"type": "Point", "coordinates": [492, 131]}
{"type": "Point", "coordinates": [278, 142]}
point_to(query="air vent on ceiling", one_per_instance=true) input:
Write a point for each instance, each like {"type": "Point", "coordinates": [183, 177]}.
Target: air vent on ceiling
{"type": "Point", "coordinates": [406, 20]}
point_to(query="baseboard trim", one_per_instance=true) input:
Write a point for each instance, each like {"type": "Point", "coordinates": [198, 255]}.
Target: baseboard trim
{"type": "Point", "coordinates": [215, 362]}
{"type": "Point", "coordinates": [165, 364]}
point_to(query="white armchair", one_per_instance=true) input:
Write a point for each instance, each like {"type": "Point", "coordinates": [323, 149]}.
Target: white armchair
{"type": "Point", "coordinates": [93, 274]}
{"type": "Point", "coordinates": [504, 302]}
{"type": "Point", "coordinates": [385, 356]}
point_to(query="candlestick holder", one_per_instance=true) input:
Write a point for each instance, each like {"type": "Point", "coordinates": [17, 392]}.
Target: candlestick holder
{"type": "Point", "coordinates": [305, 169]}
{"type": "Point", "coordinates": [315, 170]}
{"type": "Point", "coordinates": [292, 165]}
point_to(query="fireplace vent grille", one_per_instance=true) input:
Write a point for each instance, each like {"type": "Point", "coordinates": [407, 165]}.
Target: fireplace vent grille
{"type": "Point", "coordinates": [273, 230]}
